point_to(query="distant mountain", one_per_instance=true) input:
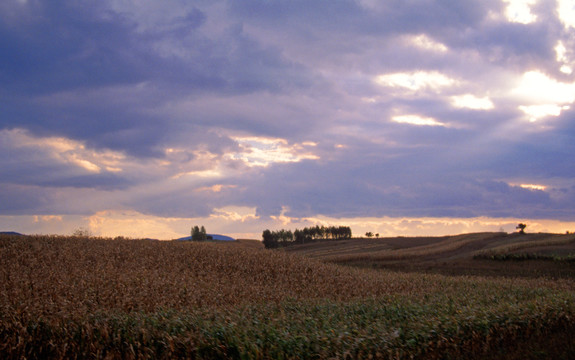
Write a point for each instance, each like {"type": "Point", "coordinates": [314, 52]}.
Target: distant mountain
{"type": "Point", "coordinates": [10, 233]}
{"type": "Point", "coordinates": [214, 237]}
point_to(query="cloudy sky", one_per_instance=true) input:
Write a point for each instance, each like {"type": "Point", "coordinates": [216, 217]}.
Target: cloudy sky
{"type": "Point", "coordinates": [145, 117]}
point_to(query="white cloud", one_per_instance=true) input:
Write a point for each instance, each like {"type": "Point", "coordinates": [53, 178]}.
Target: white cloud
{"type": "Point", "coordinates": [536, 112]}
{"type": "Point", "coordinates": [417, 120]}
{"type": "Point", "coordinates": [425, 42]}
{"type": "Point", "coordinates": [470, 101]}
{"type": "Point", "coordinates": [519, 11]}
{"type": "Point", "coordinates": [417, 80]}
{"type": "Point", "coordinates": [563, 59]}
{"type": "Point", "coordinates": [262, 151]}
{"type": "Point", "coordinates": [544, 96]}
{"type": "Point", "coordinates": [566, 11]}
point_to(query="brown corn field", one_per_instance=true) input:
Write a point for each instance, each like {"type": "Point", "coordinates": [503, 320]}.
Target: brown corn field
{"type": "Point", "coordinates": [71, 297]}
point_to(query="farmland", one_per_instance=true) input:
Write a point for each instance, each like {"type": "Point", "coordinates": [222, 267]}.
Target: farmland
{"type": "Point", "coordinates": [73, 297]}
{"type": "Point", "coordinates": [466, 254]}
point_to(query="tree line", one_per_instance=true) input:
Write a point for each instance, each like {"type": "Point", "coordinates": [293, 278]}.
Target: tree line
{"type": "Point", "coordinates": [274, 239]}
{"type": "Point", "coordinates": [199, 234]}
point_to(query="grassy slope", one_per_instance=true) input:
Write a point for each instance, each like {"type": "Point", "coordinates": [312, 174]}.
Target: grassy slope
{"type": "Point", "coordinates": [70, 297]}
{"type": "Point", "coordinates": [466, 254]}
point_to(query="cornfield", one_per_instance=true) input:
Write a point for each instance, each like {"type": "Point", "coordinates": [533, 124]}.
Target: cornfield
{"type": "Point", "coordinates": [71, 297]}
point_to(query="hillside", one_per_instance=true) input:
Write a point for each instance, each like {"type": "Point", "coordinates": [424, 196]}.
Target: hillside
{"type": "Point", "coordinates": [528, 255]}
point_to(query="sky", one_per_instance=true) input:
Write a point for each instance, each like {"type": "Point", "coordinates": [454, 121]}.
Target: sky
{"type": "Point", "coordinates": [143, 118]}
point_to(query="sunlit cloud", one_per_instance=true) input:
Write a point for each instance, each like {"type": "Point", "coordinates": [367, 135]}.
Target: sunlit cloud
{"type": "Point", "coordinates": [369, 100]}
{"type": "Point", "coordinates": [417, 120]}
{"type": "Point", "coordinates": [65, 151]}
{"type": "Point", "coordinates": [563, 59]}
{"type": "Point", "coordinates": [424, 42]}
{"type": "Point", "coordinates": [206, 174]}
{"type": "Point", "coordinates": [215, 188]}
{"type": "Point", "coordinates": [182, 162]}
{"type": "Point", "coordinates": [418, 80]}
{"type": "Point", "coordinates": [47, 218]}
{"type": "Point", "coordinates": [472, 102]}
{"type": "Point", "coordinates": [566, 11]}
{"type": "Point", "coordinates": [533, 187]}
{"type": "Point", "coordinates": [540, 88]}
{"type": "Point", "coordinates": [282, 217]}
{"type": "Point", "coordinates": [262, 151]}
{"type": "Point", "coordinates": [536, 112]}
{"type": "Point", "coordinates": [519, 11]}
{"type": "Point", "coordinates": [547, 96]}
{"type": "Point", "coordinates": [235, 213]}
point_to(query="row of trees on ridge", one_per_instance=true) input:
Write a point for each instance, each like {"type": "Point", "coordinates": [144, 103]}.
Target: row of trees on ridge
{"type": "Point", "coordinates": [274, 239]}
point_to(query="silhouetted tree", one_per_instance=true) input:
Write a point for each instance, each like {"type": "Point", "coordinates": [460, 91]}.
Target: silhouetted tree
{"type": "Point", "coordinates": [270, 242]}
{"type": "Point", "coordinates": [199, 234]}
{"type": "Point", "coordinates": [521, 228]}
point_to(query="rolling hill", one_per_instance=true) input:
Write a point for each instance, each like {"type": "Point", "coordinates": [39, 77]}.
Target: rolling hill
{"type": "Point", "coordinates": [530, 255]}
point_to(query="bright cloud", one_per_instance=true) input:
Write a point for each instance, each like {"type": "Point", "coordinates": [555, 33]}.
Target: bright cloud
{"type": "Point", "coordinates": [418, 80]}
{"type": "Point", "coordinates": [519, 11]}
{"type": "Point", "coordinates": [566, 11]}
{"type": "Point", "coordinates": [424, 42]}
{"type": "Point", "coordinates": [470, 101]}
{"type": "Point", "coordinates": [537, 87]}
{"type": "Point", "coordinates": [235, 213]}
{"type": "Point", "coordinates": [547, 96]}
{"type": "Point", "coordinates": [536, 112]}
{"type": "Point", "coordinates": [533, 187]}
{"type": "Point", "coordinates": [417, 120]}
{"type": "Point", "coordinates": [216, 188]}
{"type": "Point", "coordinates": [261, 151]}
{"type": "Point", "coordinates": [64, 151]}
{"type": "Point", "coordinates": [563, 59]}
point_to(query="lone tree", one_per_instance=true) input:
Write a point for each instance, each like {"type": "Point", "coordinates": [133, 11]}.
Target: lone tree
{"type": "Point", "coordinates": [521, 228]}
{"type": "Point", "coordinates": [199, 234]}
